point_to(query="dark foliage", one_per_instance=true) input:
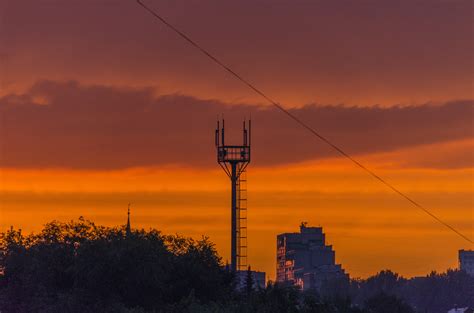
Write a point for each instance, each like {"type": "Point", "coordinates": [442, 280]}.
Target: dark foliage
{"type": "Point", "coordinates": [383, 303]}
{"type": "Point", "coordinates": [81, 267]}
{"type": "Point", "coordinates": [435, 293]}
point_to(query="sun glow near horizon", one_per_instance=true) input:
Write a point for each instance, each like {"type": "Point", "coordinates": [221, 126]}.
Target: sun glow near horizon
{"type": "Point", "coordinates": [362, 219]}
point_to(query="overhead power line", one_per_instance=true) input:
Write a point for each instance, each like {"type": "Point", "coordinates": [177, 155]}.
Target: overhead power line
{"type": "Point", "coordinates": [299, 121]}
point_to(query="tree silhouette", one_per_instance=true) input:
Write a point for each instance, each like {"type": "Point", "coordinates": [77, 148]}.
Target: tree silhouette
{"type": "Point", "coordinates": [383, 303]}
{"type": "Point", "coordinates": [249, 283]}
{"type": "Point", "coordinates": [81, 267]}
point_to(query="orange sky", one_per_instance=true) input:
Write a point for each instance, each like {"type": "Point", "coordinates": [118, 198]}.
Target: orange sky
{"type": "Point", "coordinates": [101, 106]}
{"type": "Point", "coordinates": [363, 221]}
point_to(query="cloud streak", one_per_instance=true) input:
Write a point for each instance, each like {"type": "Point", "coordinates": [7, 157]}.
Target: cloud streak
{"type": "Point", "coordinates": [70, 125]}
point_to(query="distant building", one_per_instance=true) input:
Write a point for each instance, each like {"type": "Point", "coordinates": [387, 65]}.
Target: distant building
{"type": "Point", "coordinates": [258, 279]}
{"type": "Point", "coordinates": [466, 261]}
{"type": "Point", "coordinates": [305, 260]}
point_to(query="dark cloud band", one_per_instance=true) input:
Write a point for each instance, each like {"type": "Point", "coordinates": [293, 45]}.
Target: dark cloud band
{"type": "Point", "coordinates": [66, 124]}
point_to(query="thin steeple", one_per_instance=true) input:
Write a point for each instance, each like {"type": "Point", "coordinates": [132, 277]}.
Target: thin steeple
{"type": "Point", "coordinates": [128, 230]}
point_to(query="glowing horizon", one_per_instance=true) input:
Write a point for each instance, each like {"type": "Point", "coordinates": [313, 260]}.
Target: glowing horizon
{"type": "Point", "coordinates": [328, 193]}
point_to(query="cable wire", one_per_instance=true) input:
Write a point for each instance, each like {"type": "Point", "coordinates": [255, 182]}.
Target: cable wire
{"type": "Point", "coordinates": [300, 122]}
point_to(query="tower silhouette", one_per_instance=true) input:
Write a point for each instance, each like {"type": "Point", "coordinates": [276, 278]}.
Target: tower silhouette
{"type": "Point", "coordinates": [234, 160]}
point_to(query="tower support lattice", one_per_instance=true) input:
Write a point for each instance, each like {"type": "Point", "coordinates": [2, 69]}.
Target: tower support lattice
{"type": "Point", "coordinates": [234, 161]}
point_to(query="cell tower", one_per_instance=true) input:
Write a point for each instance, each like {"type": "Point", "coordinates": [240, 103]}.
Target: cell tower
{"type": "Point", "coordinates": [234, 161]}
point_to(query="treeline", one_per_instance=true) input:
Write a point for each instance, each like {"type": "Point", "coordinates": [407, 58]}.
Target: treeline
{"type": "Point", "coordinates": [81, 267]}
{"type": "Point", "coordinates": [436, 292]}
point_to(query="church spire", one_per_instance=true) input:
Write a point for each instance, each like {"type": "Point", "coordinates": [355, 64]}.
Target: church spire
{"type": "Point", "coordinates": [128, 230]}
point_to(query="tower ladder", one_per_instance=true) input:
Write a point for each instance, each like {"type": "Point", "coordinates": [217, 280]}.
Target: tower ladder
{"type": "Point", "coordinates": [242, 222]}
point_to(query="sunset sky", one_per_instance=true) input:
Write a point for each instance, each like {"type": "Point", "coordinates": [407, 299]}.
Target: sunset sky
{"type": "Point", "coordinates": [101, 105]}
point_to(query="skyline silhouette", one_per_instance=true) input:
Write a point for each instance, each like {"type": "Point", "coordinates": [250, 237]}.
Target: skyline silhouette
{"type": "Point", "coordinates": [99, 106]}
